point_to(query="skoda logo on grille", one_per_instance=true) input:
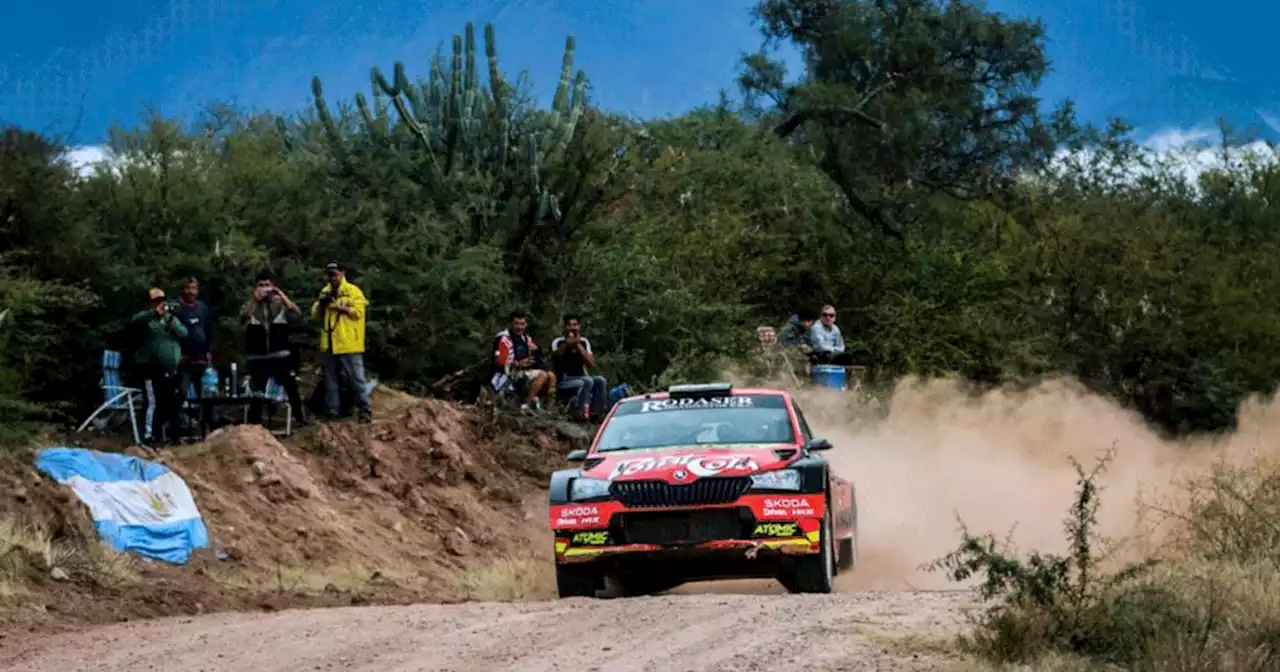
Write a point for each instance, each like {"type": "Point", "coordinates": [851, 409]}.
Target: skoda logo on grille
{"type": "Point", "coordinates": [681, 474]}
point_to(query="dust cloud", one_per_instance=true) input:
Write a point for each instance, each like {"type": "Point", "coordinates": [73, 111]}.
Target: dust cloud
{"type": "Point", "coordinates": [1000, 463]}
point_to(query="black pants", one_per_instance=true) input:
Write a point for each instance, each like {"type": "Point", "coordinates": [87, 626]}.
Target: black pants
{"type": "Point", "coordinates": [281, 369]}
{"type": "Point", "coordinates": [833, 358]}
{"type": "Point", "coordinates": [163, 401]}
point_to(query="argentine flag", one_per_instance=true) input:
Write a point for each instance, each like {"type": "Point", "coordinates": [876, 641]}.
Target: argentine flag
{"type": "Point", "coordinates": [137, 505]}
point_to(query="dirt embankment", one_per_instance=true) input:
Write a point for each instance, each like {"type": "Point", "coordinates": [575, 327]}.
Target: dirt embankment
{"type": "Point", "coordinates": [427, 503]}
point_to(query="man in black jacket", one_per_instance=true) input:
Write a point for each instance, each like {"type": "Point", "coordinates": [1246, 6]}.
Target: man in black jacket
{"type": "Point", "coordinates": [267, 317]}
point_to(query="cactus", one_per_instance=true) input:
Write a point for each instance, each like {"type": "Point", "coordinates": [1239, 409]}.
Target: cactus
{"type": "Point", "coordinates": [326, 120]}
{"type": "Point", "coordinates": [458, 126]}
{"type": "Point", "coordinates": [282, 127]}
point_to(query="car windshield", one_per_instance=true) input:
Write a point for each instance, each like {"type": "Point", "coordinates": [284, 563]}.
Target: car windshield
{"type": "Point", "coordinates": [657, 423]}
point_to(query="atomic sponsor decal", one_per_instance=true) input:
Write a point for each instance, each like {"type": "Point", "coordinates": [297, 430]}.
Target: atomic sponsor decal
{"type": "Point", "coordinates": [776, 530]}
{"type": "Point", "coordinates": [652, 405]}
{"type": "Point", "coordinates": [593, 538]}
{"type": "Point", "coordinates": [700, 466]}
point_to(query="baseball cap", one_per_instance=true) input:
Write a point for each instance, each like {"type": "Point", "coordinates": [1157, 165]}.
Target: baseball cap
{"type": "Point", "coordinates": [155, 294]}
{"type": "Point", "coordinates": [333, 266]}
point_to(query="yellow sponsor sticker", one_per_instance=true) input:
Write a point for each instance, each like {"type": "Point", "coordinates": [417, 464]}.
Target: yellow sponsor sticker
{"type": "Point", "coordinates": [777, 530]}
{"type": "Point", "coordinates": [597, 538]}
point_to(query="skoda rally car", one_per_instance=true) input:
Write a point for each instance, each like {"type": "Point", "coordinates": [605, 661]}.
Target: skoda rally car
{"type": "Point", "coordinates": [698, 483]}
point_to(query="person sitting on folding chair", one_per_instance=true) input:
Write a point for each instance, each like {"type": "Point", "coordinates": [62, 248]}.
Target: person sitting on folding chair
{"type": "Point", "coordinates": [571, 355]}
{"type": "Point", "coordinates": [517, 363]}
{"type": "Point", "coordinates": [827, 341]}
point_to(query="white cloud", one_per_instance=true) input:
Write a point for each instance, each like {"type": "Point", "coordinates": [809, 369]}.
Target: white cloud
{"type": "Point", "coordinates": [85, 159]}
{"type": "Point", "coordinates": [1183, 154]}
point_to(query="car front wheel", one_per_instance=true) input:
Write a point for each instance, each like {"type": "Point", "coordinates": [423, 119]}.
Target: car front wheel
{"type": "Point", "coordinates": [816, 573]}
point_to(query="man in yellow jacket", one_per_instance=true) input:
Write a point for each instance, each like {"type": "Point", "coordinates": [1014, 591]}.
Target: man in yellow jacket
{"type": "Point", "coordinates": [340, 308]}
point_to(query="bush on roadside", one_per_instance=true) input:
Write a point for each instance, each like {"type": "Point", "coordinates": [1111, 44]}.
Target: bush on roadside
{"type": "Point", "coordinates": [1194, 609]}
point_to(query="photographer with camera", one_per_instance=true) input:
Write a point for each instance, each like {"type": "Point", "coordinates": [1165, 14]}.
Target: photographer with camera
{"type": "Point", "coordinates": [268, 316]}
{"type": "Point", "coordinates": [156, 360]}
{"type": "Point", "coordinates": [571, 355]}
{"type": "Point", "coordinates": [340, 309]}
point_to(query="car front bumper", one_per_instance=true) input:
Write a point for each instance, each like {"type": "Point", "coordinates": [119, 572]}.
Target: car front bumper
{"type": "Point", "coordinates": [772, 524]}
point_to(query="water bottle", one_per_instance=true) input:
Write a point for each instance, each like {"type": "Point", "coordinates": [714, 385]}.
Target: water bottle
{"type": "Point", "coordinates": [209, 382]}
{"type": "Point", "coordinates": [233, 388]}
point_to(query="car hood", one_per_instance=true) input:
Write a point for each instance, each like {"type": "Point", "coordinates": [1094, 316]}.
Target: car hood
{"type": "Point", "coordinates": [685, 464]}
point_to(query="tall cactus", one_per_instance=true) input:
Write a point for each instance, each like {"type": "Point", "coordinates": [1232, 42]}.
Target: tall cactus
{"type": "Point", "coordinates": [459, 125]}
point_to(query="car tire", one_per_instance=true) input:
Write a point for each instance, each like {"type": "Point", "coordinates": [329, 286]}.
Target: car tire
{"type": "Point", "coordinates": [816, 573]}
{"type": "Point", "coordinates": [576, 580]}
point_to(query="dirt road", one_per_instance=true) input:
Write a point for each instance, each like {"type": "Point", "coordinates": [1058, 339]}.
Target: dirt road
{"type": "Point", "coordinates": [859, 631]}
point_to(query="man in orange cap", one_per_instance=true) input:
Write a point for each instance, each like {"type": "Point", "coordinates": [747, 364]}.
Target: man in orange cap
{"type": "Point", "coordinates": [157, 357]}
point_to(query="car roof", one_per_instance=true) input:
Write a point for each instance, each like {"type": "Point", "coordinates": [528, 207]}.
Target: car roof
{"type": "Point", "coordinates": [735, 392]}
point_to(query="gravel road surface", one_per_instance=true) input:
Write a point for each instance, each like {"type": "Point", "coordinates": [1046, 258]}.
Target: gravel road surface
{"type": "Point", "coordinates": [850, 631]}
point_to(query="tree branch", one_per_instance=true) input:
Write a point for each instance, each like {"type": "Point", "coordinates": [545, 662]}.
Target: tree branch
{"type": "Point", "coordinates": [830, 113]}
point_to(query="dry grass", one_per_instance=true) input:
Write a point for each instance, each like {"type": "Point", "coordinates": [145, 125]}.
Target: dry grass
{"type": "Point", "coordinates": [1053, 662]}
{"type": "Point", "coordinates": [1207, 599]}
{"type": "Point", "coordinates": [908, 644]}
{"type": "Point", "coordinates": [27, 552]}
{"type": "Point", "coordinates": [509, 579]}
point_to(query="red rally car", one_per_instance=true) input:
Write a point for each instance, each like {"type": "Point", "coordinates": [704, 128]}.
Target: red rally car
{"type": "Point", "coordinates": [702, 482]}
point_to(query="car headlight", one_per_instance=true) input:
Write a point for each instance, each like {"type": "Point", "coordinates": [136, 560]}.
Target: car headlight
{"type": "Point", "coordinates": [786, 479]}
{"type": "Point", "coordinates": [588, 488]}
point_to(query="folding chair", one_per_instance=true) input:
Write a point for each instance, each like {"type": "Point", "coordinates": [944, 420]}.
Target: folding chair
{"type": "Point", "coordinates": [774, 356]}
{"type": "Point", "coordinates": [274, 394]}
{"type": "Point", "coordinates": [503, 384]}
{"type": "Point", "coordinates": [119, 399]}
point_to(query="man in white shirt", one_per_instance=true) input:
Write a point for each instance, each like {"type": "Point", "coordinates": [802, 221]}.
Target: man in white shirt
{"type": "Point", "coordinates": [827, 341]}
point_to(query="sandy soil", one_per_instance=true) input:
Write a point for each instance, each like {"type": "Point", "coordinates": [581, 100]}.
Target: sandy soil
{"type": "Point", "coordinates": [859, 631]}
{"type": "Point", "coordinates": [1000, 463]}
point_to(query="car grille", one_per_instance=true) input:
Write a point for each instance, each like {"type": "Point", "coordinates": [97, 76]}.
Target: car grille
{"type": "Point", "coordinates": [681, 527]}
{"type": "Point", "coordinates": [702, 492]}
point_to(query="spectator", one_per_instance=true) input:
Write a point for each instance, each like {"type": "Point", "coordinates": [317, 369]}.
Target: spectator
{"type": "Point", "coordinates": [826, 340]}
{"type": "Point", "coordinates": [571, 354]}
{"type": "Point", "coordinates": [796, 333]}
{"type": "Point", "coordinates": [197, 347]}
{"type": "Point", "coordinates": [517, 358]}
{"type": "Point", "coordinates": [341, 307]}
{"type": "Point", "coordinates": [157, 357]}
{"type": "Point", "coordinates": [267, 316]}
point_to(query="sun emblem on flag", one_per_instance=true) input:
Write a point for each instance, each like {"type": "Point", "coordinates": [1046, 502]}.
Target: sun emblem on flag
{"type": "Point", "coordinates": [159, 503]}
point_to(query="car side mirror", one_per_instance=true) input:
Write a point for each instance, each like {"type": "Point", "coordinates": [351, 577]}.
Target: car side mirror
{"type": "Point", "coordinates": [815, 445]}
{"type": "Point", "coordinates": [576, 455]}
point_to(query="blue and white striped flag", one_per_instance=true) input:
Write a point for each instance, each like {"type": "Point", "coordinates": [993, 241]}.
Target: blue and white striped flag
{"type": "Point", "coordinates": [137, 505]}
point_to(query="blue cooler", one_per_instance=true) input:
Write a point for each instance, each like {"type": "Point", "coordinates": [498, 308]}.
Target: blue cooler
{"type": "Point", "coordinates": [827, 375]}
{"type": "Point", "coordinates": [618, 393]}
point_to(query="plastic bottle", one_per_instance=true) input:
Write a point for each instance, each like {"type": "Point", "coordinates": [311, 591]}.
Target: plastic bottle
{"type": "Point", "coordinates": [233, 389]}
{"type": "Point", "coordinates": [209, 382]}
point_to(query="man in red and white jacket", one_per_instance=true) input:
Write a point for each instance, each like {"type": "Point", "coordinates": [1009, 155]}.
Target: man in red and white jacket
{"type": "Point", "coordinates": [517, 360]}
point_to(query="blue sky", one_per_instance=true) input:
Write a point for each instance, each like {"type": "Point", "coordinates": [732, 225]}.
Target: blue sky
{"type": "Point", "coordinates": [82, 65]}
